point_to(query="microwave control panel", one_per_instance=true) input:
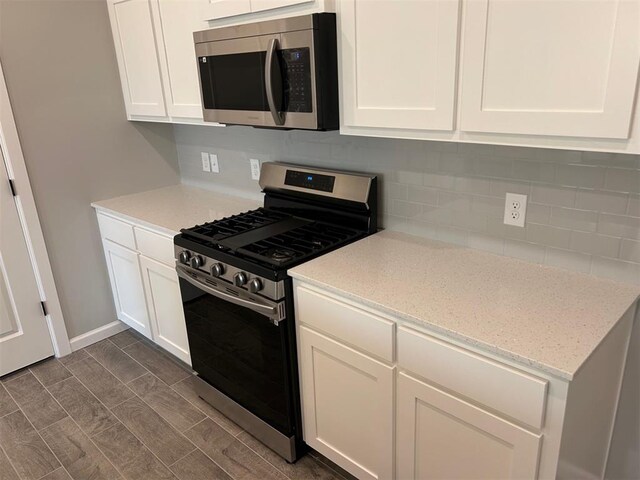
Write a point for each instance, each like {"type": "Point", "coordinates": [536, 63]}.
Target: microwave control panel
{"type": "Point", "coordinates": [297, 63]}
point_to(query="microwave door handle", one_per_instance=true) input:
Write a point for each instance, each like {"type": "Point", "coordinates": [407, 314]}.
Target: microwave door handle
{"type": "Point", "coordinates": [267, 310]}
{"type": "Point", "coordinates": [278, 117]}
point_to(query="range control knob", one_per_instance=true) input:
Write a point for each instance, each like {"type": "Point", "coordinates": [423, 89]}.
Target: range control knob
{"type": "Point", "coordinates": [217, 269]}
{"type": "Point", "coordinates": [240, 278]}
{"type": "Point", "coordinates": [255, 285]}
{"type": "Point", "coordinates": [184, 256]}
{"type": "Point", "coordinates": [197, 261]}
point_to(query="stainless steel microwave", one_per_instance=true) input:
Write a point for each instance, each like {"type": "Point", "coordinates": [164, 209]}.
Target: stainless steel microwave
{"type": "Point", "coordinates": [279, 73]}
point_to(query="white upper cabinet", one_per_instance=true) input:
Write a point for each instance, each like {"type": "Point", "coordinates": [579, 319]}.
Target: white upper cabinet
{"type": "Point", "coordinates": [178, 20]}
{"type": "Point", "coordinates": [220, 9]}
{"type": "Point", "coordinates": [259, 5]}
{"type": "Point", "coordinates": [133, 33]}
{"type": "Point", "coordinates": [398, 63]}
{"type": "Point", "coordinates": [156, 57]}
{"type": "Point", "coordinates": [561, 67]}
{"type": "Point", "coordinates": [226, 8]}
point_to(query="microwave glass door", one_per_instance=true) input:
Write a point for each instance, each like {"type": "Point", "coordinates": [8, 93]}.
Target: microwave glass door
{"type": "Point", "coordinates": [235, 81]}
{"type": "Point", "coordinates": [236, 78]}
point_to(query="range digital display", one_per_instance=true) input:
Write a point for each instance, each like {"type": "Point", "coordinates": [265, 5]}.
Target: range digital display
{"type": "Point", "coordinates": [312, 181]}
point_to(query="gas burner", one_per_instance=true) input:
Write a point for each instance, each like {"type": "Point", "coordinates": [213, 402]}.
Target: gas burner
{"type": "Point", "coordinates": [280, 254]}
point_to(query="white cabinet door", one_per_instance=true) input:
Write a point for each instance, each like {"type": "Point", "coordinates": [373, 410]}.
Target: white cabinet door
{"type": "Point", "coordinates": [560, 67]}
{"type": "Point", "coordinates": [398, 63]}
{"type": "Point", "coordinates": [126, 284]}
{"type": "Point", "coordinates": [442, 436]}
{"type": "Point", "coordinates": [260, 5]}
{"type": "Point", "coordinates": [226, 8]}
{"type": "Point", "coordinates": [178, 20]}
{"type": "Point", "coordinates": [347, 403]}
{"type": "Point", "coordinates": [134, 38]}
{"type": "Point", "coordinates": [165, 308]}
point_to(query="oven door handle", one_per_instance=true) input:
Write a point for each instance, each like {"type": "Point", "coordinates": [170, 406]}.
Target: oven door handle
{"type": "Point", "coordinates": [270, 311]}
{"type": "Point", "coordinates": [278, 117]}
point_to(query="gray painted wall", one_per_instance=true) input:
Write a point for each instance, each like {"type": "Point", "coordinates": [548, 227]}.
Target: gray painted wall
{"type": "Point", "coordinates": [61, 73]}
{"type": "Point", "coordinates": [583, 212]}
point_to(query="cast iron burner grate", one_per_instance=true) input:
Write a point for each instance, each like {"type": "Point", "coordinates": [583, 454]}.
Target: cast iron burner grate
{"type": "Point", "coordinates": [271, 237]}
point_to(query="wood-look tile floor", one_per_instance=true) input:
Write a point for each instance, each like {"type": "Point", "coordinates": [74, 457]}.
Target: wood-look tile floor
{"type": "Point", "coordinates": [123, 409]}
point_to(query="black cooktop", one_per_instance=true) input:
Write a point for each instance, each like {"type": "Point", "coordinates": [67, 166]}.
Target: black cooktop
{"type": "Point", "coordinates": [270, 237]}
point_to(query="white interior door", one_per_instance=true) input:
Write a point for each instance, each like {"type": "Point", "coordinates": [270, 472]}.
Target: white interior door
{"type": "Point", "coordinates": [560, 67]}
{"type": "Point", "coordinates": [24, 334]}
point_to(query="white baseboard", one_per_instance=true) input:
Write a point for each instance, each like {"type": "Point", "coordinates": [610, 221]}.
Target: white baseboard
{"type": "Point", "coordinates": [96, 335]}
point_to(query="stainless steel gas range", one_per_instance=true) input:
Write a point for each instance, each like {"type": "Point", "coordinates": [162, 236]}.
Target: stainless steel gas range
{"type": "Point", "coordinates": [238, 298]}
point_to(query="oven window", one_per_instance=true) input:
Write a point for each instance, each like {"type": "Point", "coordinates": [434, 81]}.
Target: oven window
{"type": "Point", "coordinates": [234, 82]}
{"type": "Point", "coordinates": [241, 353]}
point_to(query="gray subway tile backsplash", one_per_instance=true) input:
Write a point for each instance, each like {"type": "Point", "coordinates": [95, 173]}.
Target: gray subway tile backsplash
{"type": "Point", "coordinates": [583, 209]}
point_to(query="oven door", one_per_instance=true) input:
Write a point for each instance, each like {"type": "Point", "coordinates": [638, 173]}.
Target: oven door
{"type": "Point", "coordinates": [265, 80]}
{"type": "Point", "coordinates": [240, 344]}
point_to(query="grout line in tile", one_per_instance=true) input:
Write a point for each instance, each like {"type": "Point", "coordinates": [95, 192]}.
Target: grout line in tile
{"type": "Point", "coordinates": [35, 429]}
{"type": "Point", "coordinates": [62, 467]}
{"type": "Point", "coordinates": [186, 455]}
{"type": "Point", "coordinates": [263, 458]}
{"type": "Point", "coordinates": [75, 361]}
{"type": "Point", "coordinates": [12, 411]}
{"type": "Point", "coordinates": [140, 439]}
{"type": "Point", "coordinates": [77, 425]}
{"type": "Point", "coordinates": [330, 467]}
{"type": "Point", "coordinates": [112, 373]}
{"type": "Point", "coordinates": [134, 379]}
{"type": "Point", "coordinates": [80, 428]}
{"type": "Point", "coordinates": [118, 346]}
{"type": "Point", "coordinates": [203, 412]}
{"type": "Point", "coordinates": [9, 460]}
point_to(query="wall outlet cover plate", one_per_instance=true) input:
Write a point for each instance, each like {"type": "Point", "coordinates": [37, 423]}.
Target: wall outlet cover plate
{"type": "Point", "coordinates": [255, 168]}
{"type": "Point", "coordinates": [206, 164]}
{"type": "Point", "coordinates": [515, 209]}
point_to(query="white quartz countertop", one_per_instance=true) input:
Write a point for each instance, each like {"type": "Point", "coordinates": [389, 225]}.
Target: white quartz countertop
{"type": "Point", "coordinates": [178, 206]}
{"type": "Point", "coordinates": [540, 316]}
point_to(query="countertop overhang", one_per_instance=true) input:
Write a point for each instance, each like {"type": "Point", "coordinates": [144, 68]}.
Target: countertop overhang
{"type": "Point", "coordinates": [540, 316]}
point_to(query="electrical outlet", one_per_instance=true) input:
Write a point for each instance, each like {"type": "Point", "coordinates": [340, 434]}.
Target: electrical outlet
{"type": "Point", "coordinates": [215, 168]}
{"type": "Point", "coordinates": [206, 164]}
{"type": "Point", "coordinates": [515, 209]}
{"type": "Point", "coordinates": [255, 168]}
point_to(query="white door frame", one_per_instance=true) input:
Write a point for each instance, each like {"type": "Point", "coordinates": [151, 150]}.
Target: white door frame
{"type": "Point", "coordinates": [10, 144]}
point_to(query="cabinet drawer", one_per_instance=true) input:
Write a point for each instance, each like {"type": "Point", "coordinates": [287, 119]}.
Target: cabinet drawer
{"type": "Point", "coordinates": [116, 231]}
{"type": "Point", "coordinates": [156, 246]}
{"type": "Point", "coordinates": [504, 389]}
{"type": "Point", "coordinates": [351, 325]}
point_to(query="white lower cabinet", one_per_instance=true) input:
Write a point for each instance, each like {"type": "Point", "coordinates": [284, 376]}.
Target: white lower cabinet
{"type": "Point", "coordinates": [126, 285]}
{"type": "Point", "coordinates": [347, 405]}
{"type": "Point", "coordinates": [165, 307]}
{"type": "Point", "coordinates": [442, 436]}
{"type": "Point", "coordinates": [387, 399]}
{"type": "Point", "coordinates": [145, 286]}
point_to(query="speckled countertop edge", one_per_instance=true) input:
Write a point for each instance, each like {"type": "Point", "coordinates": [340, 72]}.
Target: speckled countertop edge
{"type": "Point", "coordinates": [555, 369]}
{"type": "Point", "coordinates": [168, 209]}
